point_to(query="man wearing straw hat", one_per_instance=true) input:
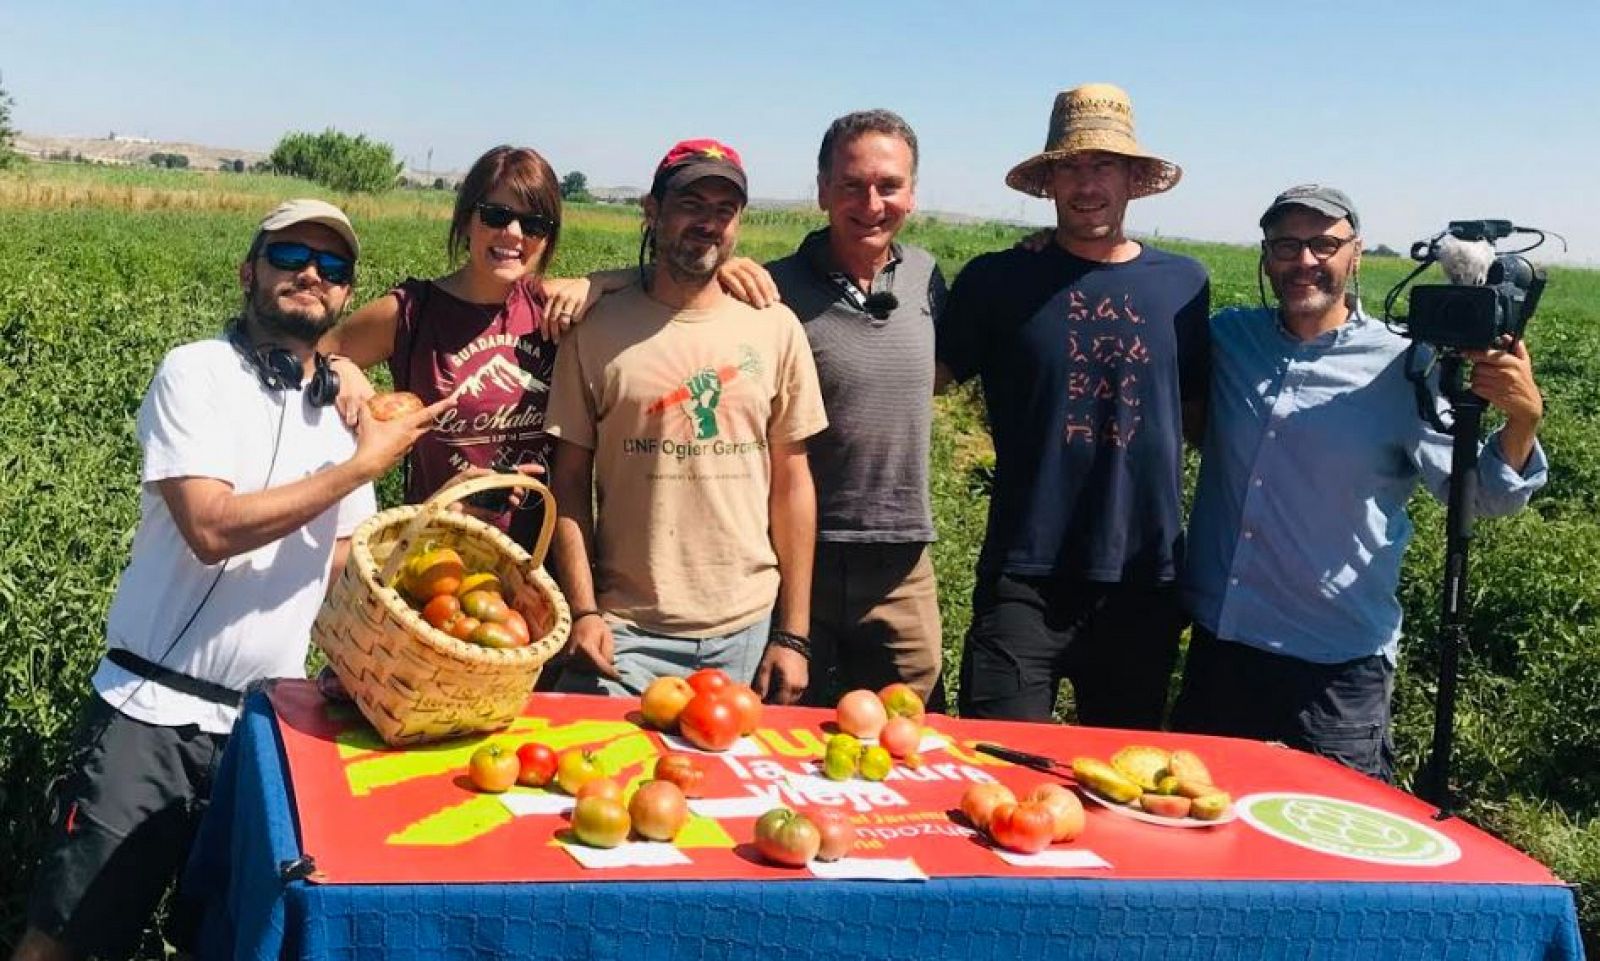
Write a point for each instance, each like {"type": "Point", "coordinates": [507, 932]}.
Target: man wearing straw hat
{"type": "Point", "coordinates": [684, 413]}
{"type": "Point", "coordinates": [251, 487]}
{"type": "Point", "coordinates": [1089, 350]}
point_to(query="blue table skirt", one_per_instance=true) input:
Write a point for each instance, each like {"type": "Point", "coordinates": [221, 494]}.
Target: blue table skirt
{"type": "Point", "coordinates": [251, 913]}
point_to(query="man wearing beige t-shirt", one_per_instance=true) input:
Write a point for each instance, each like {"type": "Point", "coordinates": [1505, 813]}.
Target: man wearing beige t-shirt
{"type": "Point", "coordinates": [682, 416]}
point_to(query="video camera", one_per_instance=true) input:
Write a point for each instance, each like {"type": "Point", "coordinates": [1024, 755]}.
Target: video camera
{"type": "Point", "coordinates": [1490, 298]}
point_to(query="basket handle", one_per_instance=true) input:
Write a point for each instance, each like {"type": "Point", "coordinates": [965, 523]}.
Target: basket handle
{"type": "Point", "coordinates": [449, 494]}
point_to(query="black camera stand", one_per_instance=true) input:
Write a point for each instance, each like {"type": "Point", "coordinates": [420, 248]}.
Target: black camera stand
{"type": "Point", "coordinates": [1433, 782]}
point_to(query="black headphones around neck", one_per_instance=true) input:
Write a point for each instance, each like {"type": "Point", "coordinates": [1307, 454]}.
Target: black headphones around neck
{"type": "Point", "coordinates": [279, 369]}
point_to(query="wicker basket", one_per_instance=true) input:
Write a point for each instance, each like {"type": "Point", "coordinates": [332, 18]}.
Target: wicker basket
{"type": "Point", "coordinates": [416, 683]}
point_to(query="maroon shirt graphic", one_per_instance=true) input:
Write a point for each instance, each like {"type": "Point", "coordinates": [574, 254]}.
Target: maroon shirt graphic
{"type": "Point", "coordinates": [499, 364]}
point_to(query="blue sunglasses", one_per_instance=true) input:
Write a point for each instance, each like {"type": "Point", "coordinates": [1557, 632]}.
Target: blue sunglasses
{"type": "Point", "coordinates": [332, 267]}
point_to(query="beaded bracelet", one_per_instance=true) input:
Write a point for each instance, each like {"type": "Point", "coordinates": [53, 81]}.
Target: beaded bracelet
{"type": "Point", "coordinates": [580, 615]}
{"type": "Point", "coordinates": [790, 641]}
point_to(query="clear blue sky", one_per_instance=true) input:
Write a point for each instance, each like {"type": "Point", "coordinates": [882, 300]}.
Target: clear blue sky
{"type": "Point", "coordinates": [1422, 111]}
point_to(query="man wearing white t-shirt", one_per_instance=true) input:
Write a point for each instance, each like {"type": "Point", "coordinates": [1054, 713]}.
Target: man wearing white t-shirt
{"type": "Point", "coordinates": [251, 487]}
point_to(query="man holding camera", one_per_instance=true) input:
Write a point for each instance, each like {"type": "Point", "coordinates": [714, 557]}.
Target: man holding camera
{"type": "Point", "coordinates": [1313, 448]}
{"type": "Point", "coordinates": [252, 486]}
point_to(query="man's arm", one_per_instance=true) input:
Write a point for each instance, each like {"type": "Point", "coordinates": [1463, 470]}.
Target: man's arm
{"type": "Point", "coordinates": [341, 553]}
{"type": "Point", "coordinates": [572, 483]}
{"type": "Point", "coordinates": [217, 523]}
{"type": "Point", "coordinates": [792, 508]}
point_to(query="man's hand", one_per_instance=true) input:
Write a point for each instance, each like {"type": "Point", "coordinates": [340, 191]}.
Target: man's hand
{"type": "Point", "coordinates": [782, 675]}
{"type": "Point", "coordinates": [591, 646]}
{"type": "Point", "coordinates": [705, 391]}
{"type": "Point", "coordinates": [748, 281]}
{"type": "Point", "coordinates": [1504, 378]}
{"type": "Point", "coordinates": [514, 496]}
{"type": "Point", "coordinates": [354, 389]}
{"type": "Point", "coordinates": [381, 443]}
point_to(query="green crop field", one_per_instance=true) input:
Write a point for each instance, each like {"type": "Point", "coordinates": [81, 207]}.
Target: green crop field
{"type": "Point", "coordinates": [102, 272]}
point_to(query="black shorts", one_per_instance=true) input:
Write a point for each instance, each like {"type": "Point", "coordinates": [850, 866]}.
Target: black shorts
{"type": "Point", "coordinates": [122, 823]}
{"type": "Point", "coordinates": [1340, 711]}
{"type": "Point", "coordinates": [1116, 643]}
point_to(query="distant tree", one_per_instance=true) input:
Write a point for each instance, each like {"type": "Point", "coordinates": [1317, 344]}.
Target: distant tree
{"type": "Point", "coordinates": [8, 136]}
{"type": "Point", "coordinates": [337, 160]}
{"type": "Point", "coordinates": [439, 183]}
{"type": "Point", "coordinates": [238, 166]}
{"type": "Point", "coordinates": [225, 165]}
{"type": "Point", "coordinates": [575, 186]}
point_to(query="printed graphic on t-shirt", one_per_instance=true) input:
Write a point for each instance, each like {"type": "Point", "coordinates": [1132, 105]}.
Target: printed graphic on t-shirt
{"type": "Point", "coordinates": [1105, 358]}
{"type": "Point", "coordinates": [699, 412]}
{"type": "Point", "coordinates": [500, 381]}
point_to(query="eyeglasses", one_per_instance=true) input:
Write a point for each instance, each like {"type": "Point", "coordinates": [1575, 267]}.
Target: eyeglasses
{"type": "Point", "coordinates": [497, 216]}
{"type": "Point", "coordinates": [1321, 246]}
{"type": "Point", "coordinates": [287, 255]}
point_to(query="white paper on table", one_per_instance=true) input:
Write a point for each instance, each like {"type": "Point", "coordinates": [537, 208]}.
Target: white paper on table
{"type": "Point", "coordinates": [634, 854]}
{"type": "Point", "coordinates": [1055, 858]}
{"type": "Point", "coordinates": [523, 803]}
{"type": "Point", "coordinates": [749, 806]}
{"type": "Point", "coordinates": [744, 747]}
{"type": "Point", "coordinates": [877, 869]}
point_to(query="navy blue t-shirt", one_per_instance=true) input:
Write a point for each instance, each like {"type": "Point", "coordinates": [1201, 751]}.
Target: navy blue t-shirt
{"type": "Point", "coordinates": [1085, 366]}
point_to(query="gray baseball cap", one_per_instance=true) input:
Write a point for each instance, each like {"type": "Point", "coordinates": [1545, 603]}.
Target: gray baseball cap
{"type": "Point", "coordinates": [1329, 201]}
{"type": "Point", "coordinates": [308, 211]}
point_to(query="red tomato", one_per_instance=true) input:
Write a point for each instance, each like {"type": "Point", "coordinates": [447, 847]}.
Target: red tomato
{"type": "Point", "coordinates": [441, 610]}
{"type": "Point", "coordinates": [900, 736]}
{"type": "Point", "coordinates": [576, 767]}
{"type": "Point", "coordinates": [658, 810]}
{"type": "Point", "coordinates": [837, 832]}
{"type": "Point", "coordinates": [492, 768]}
{"type": "Point", "coordinates": [462, 627]}
{"type": "Point", "coordinates": [663, 700]}
{"type": "Point", "coordinates": [980, 800]}
{"type": "Point", "coordinates": [600, 822]}
{"type": "Point", "coordinates": [491, 634]}
{"type": "Point", "coordinates": [709, 722]}
{"type": "Point", "coordinates": [746, 704]}
{"type": "Point", "coordinates": [709, 679]}
{"type": "Point", "coordinates": [681, 769]}
{"type": "Point", "coordinates": [1026, 828]}
{"type": "Point", "coordinates": [1065, 808]}
{"type": "Point", "coordinates": [861, 713]}
{"type": "Point", "coordinates": [518, 626]}
{"type": "Point", "coordinates": [786, 837]}
{"type": "Point", "coordinates": [536, 764]}
{"type": "Point", "coordinates": [398, 404]}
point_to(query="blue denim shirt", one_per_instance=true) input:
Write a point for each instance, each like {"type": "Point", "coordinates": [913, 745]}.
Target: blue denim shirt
{"type": "Point", "coordinates": [1312, 450]}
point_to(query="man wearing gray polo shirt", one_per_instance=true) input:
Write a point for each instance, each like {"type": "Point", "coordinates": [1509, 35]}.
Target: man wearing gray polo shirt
{"type": "Point", "coordinates": [867, 304]}
{"type": "Point", "coordinates": [1313, 448]}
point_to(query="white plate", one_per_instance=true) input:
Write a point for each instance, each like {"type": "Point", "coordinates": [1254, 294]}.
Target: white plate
{"type": "Point", "coordinates": [1138, 814]}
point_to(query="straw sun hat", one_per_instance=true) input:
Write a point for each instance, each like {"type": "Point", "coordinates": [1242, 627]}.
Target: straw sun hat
{"type": "Point", "coordinates": [1095, 116]}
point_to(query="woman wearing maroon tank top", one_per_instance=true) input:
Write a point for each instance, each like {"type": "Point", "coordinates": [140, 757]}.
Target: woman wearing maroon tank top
{"type": "Point", "coordinates": [480, 331]}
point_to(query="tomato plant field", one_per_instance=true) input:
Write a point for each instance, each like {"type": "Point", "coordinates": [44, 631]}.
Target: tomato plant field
{"type": "Point", "coordinates": [96, 286]}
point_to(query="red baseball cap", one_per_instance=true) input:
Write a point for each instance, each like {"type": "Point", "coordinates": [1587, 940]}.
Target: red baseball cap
{"type": "Point", "coordinates": [691, 160]}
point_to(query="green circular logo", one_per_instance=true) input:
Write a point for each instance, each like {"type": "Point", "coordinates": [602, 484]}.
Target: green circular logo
{"type": "Point", "coordinates": [1346, 829]}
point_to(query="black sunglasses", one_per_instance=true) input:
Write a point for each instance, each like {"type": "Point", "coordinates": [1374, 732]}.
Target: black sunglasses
{"type": "Point", "coordinates": [496, 216]}
{"type": "Point", "coordinates": [1321, 246]}
{"type": "Point", "coordinates": [288, 255]}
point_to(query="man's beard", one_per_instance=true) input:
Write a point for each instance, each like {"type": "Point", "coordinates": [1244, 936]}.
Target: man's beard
{"type": "Point", "coordinates": [276, 325]}
{"type": "Point", "coordinates": [687, 267]}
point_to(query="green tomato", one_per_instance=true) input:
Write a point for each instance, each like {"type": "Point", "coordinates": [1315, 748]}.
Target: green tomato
{"type": "Point", "coordinates": [876, 763]}
{"type": "Point", "coordinates": [839, 766]}
{"type": "Point", "coordinates": [845, 744]}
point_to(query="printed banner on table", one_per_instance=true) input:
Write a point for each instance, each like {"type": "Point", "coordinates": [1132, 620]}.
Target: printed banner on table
{"type": "Point", "coordinates": [372, 814]}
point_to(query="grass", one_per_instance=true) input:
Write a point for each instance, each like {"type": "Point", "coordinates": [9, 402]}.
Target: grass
{"type": "Point", "coordinates": [103, 270]}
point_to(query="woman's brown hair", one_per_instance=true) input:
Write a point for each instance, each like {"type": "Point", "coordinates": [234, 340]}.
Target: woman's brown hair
{"type": "Point", "coordinates": [532, 181]}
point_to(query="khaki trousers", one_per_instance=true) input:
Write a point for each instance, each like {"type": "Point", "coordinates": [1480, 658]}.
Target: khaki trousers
{"type": "Point", "coordinates": [874, 621]}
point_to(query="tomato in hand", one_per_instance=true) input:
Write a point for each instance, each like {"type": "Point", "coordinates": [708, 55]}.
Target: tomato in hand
{"type": "Point", "coordinates": [709, 722]}
{"type": "Point", "coordinates": [1026, 828]}
{"type": "Point", "coordinates": [400, 403]}
{"type": "Point", "coordinates": [536, 764]}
